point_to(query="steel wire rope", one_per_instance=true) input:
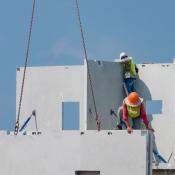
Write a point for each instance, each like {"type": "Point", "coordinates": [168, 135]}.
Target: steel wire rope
{"type": "Point", "coordinates": [25, 67]}
{"type": "Point", "coordinates": [88, 68]}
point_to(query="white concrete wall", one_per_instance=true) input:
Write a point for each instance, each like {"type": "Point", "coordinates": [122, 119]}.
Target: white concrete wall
{"type": "Point", "coordinates": [157, 82]}
{"type": "Point", "coordinates": [66, 152]}
{"type": "Point", "coordinates": [45, 89]}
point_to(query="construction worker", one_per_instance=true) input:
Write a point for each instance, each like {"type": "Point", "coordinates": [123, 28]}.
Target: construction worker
{"type": "Point", "coordinates": [133, 109]}
{"type": "Point", "coordinates": [130, 71]}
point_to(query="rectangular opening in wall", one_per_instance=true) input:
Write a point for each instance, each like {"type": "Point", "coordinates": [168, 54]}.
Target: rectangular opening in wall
{"type": "Point", "coordinates": [87, 173]}
{"type": "Point", "coordinates": [70, 116]}
{"type": "Point", "coordinates": [154, 107]}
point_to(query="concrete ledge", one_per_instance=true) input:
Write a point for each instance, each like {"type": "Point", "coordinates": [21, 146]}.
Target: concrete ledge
{"type": "Point", "coordinates": [166, 166]}
{"type": "Point", "coordinates": [66, 152]}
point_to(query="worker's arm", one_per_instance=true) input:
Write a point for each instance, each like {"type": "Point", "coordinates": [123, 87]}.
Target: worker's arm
{"type": "Point", "coordinates": [137, 69]}
{"type": "Point", "coordinates": [125, 118]}
{"type": "Point", "coordinates": [125, 60]}
{"type": "Point", "coordinates": [144, 117]}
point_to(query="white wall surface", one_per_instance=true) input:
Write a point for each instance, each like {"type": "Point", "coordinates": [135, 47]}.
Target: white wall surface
{"type": "Point", "coordinates": [157, 82]}
{"type": "Point", "coordinates": [66, 152]}
{"type": "Point", "coordinates": [45, 89]}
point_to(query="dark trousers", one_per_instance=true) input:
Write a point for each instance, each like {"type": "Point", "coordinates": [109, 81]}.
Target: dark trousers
{"type": "Point", "coordinates": [130, 84]}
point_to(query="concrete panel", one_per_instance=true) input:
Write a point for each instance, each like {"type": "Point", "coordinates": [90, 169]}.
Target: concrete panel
{"type": "Point", "coordinates": [45, 89]}
{"type": "Point", "coordinates": [108, 91]}
{"type": "Point", "coordinates": [156, 82]}
{"type": "Point", "coordinates": [67, 152]}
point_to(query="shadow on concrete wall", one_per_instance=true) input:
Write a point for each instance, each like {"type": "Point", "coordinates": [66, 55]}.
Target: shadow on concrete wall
{"type": "Point", "coordinates": [145, 93]}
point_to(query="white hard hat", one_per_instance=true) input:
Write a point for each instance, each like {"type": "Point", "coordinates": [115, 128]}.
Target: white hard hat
{"type": "Point", "coordinates": [123, 55]}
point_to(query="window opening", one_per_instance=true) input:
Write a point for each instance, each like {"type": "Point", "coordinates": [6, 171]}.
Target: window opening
{"type": "Point", "coordinates": [154, 107]}
{"type": "Point", "coordinates": [70, 116]}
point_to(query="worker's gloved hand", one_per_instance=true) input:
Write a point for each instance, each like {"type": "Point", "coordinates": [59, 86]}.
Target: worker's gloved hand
{"type": "Point", "coordinates": [129, 129]}
{"type": "Point", "coordinates": [151, 129]}
{"type": "Point", "coordinates": [111, 112]}
{"type": "Point", "coordinates": [137, 69]}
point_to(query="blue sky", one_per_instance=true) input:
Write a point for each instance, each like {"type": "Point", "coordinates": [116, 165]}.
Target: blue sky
{"type": "Point", "coordinates": [143, 29]}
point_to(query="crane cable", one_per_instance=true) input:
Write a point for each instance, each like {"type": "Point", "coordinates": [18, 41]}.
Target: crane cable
{"type": "Point", "coordinates": [25, 66]}
{"type": "Point", "coordinates": [88, 68]}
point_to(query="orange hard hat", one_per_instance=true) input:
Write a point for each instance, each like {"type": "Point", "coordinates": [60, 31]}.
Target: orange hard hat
{"type": "Point", "coordinates": [133, 98]}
